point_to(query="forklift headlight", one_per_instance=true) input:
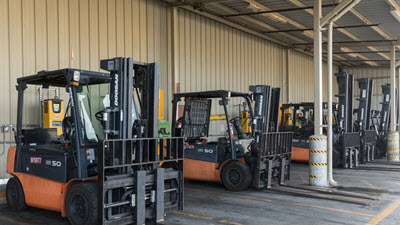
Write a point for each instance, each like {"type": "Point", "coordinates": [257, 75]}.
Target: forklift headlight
{"type": "Point", "coordinates": [77, 76]}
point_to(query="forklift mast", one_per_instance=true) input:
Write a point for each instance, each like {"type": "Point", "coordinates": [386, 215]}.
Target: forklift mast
{"type": "Point", "coordinates": [345, 111]}
{"type": "Point", "coordinates": [367, 136]}
{"type": "Point", "coordinates": [127, 75]}
{"type": "Point", "coordinates": [117, 117]}
{"type": "Point", "coordinates": [347, 149]}
{"type": "Point", "coordinates": [266, 111]}
{"type": "Point", "coordinates": [385, 111]}
{"type": "Point", "coordinates": [262, 97]}
{"type": "Point", "coordinates": [364, 108]}
{"type": "Point", "coordinates": [132, 186]}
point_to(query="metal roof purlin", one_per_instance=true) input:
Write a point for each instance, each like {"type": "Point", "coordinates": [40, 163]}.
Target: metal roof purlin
{"type": "Point", "coordinates": [262, 24]}
{"type": "Point", "coordinates": [345, 32]}
{"type": "Point", "coordinates": [298, 25]}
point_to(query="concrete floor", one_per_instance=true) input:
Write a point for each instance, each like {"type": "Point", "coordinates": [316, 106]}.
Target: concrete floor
{"type": "Point", "coordinates": [210, 203]}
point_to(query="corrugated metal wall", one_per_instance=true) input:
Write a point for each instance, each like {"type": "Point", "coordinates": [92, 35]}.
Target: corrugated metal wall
{"type": "Point", "coordinates": [380, 75]}
{"type": "Point", "coordinates": [38, 35]}
{"type": "Point", "coordinates": [301, 78]}
{"type": "Point", "coordinates": [215, 56]}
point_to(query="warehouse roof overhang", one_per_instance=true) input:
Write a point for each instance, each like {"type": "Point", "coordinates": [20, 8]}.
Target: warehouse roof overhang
{"type": "Point", "coordinates": [362, 37]}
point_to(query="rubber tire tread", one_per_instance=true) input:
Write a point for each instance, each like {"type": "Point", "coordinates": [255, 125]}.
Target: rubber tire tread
{"type": "Point", "coordinates": [21, 204]}
{"type": "Point", "coordinates": [244, 172]}
{"type": "Point", "coordinates": [90, 190]}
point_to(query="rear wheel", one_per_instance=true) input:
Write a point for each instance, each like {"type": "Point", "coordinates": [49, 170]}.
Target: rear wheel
{"type": "Point", "coordinates": [81, 204]}
{"type": "Point", "coordinates": [236, 176]}
{"type": "Point", "coordinates": [15, 195]}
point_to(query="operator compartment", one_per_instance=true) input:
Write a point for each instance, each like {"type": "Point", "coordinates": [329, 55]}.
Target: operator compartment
{"type": "Point", "coordinates": [239, 145]}
{"type": "Point", "coordinates": [200, 144]}
{"type": "Point", "coordinates": [196, 120]}
{"type": "Point", "coordinates": [56, 142]}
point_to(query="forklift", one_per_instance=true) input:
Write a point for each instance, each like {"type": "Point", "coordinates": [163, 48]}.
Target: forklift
{"type": "Point", "coordinates": [346, 141]}
{"type": "Point", "coordinates": [381, 121]}
{"type": "Point", "coordinates": [347, 147]}
{"type": "Point", "coordinates": [105, 174]}
{"type": "Point", "coordinates": [238, 159]}
{"type": "Point", "coordinates": [368, 137]}
{"type": "Point", "coordinates": [299, 119]}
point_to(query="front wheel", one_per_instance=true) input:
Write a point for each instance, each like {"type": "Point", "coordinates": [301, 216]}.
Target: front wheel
{"type": "Point", "coordinates": [81, 204]}
{"type": "Point", "coordinates": [15, 195]}
{"type": "Point", "coordinates": [236, 176]}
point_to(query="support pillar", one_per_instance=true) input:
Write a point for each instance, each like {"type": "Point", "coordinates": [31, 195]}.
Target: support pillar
{"type": "Point", "coordinates": [393, 152]}
{"type": "Point", "coordinates": [393, 103]}
{"type": "Point", "coordinates": [318, 162]}
{"type": "Point", "coordinates": [317, 68]}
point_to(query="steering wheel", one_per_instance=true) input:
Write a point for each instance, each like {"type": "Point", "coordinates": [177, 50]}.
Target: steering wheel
{"type": "Point", "coordinates": [68, 128]}
{"type": "Point", "coordinates": [99, 116]}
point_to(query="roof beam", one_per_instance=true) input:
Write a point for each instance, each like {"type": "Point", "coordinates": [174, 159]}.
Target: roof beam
{"type": "Point", "coordinates": [365, 60]}
{"type": "Point", "coordinates": [345, 32]}
{"type": "Point", "coordinates": [338, 27]}
{"type": "Point", "coordinates": [294, 23]}
{"type": "Point", "coordinates": [356, 43]}
{"type": "Point", "coordinates": [357, 52]}
{"type": "Point", "coordinates": [252, 20]}
{"type": "Point", "coordinates": [331, 14]}
{"type": "Point", "coordinates": [276, 10]}
{"type": "Point", "coordinates": [393, 4]}
{"type": "Point", "coordinates": [247, 29]}
{"type": "Point", "coordinates": [199, 3]}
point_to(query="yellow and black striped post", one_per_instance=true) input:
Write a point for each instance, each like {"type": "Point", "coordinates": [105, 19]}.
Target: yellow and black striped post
{"type": "Point", "coordinates": [393, 151]}
{"type": "Point", "coordinates": [318, 162]}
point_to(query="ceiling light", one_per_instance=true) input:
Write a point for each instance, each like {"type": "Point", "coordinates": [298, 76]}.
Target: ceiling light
{"type": "Point", "coordinates": [348, 50]}
{"type": "Point", "coordinates": [272, 16]}
{"type": "Point", "coordinates": [276, 18]}
{"type": "Point", "coordinates": [309, 33]}
{"type": "Point", "coordinates": [253, 7]}
{"type": "Point", "coordinates": [396, 14]}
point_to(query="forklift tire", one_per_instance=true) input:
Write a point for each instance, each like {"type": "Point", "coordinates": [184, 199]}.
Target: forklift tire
{"type": "Point", "coordinates": [81, 204]}
{"type": "Point", "coordinates": [15, 195]}
{"type": "Point", "coordinates": [236, 176]}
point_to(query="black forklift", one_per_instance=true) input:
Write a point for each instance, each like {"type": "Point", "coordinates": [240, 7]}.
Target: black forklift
{"type": "Point", "coordinates": [368, 136]}
{"type": "Point", "coordinates": [381, 121]}
{"type": "Point", "coordinates": [237, 159]}
{"type": "Point", "coordinates": [116, 173]}
{"type": "Point", "coordinates": [347, 147]}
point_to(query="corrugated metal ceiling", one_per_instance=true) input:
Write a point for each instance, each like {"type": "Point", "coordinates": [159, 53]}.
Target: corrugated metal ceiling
{"type": "Point", "coordinates": [376, 11]}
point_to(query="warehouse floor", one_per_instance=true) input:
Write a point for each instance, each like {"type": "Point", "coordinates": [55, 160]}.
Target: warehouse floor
{"type": "Point", "coordinates": [209, 203]}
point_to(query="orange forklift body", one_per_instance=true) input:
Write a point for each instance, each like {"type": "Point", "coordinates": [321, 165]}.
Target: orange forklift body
{"type": "Point", "coordinates": [205, 171]}
{"type": "Point", "coordinates": [41, 192]}
{"type": "Point", "coordinates": [300, 154]}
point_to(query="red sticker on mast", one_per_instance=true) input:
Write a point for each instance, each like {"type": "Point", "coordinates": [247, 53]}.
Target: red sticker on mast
{"type": "Point", "coordinates": [36, 160]}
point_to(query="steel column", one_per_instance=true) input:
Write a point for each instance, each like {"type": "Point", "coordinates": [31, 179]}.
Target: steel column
{"type": "Point", "coordinates": [330, 109]}
{"type": "Point", "coordinates": [393, 87]}
{"type": "Point", "coordinates": [317, 68]}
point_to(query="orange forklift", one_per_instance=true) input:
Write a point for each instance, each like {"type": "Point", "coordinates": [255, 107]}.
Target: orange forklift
{"type": "Point", "coordinates": [97, 162]}
{"type": "Point", "coordinates": [237, 159]}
